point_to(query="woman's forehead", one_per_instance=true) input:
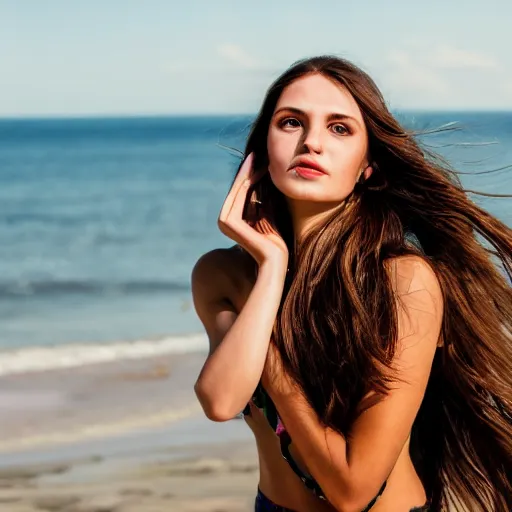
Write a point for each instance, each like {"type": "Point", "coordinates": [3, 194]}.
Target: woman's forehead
{"type": "Point", "coordinates": [318, 95]}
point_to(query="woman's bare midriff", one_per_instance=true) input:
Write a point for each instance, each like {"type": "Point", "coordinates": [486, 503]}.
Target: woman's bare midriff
{"type": "Point", "coordinates": [277, 480]}
{"type": "Point", "coordinates": [279, 483]}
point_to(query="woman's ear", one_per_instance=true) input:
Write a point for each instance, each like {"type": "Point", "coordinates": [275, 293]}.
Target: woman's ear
{"type": "Point", "coordinates": [365, 174]}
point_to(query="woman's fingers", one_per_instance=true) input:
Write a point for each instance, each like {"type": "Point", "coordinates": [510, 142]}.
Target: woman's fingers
{"type": "Point", "coordinates": [243, 174]}
{"type": "Point", "coordinates": [245, 170]}
{"type": "Point", "coordinates": [238, 205]}
{"type": "Point", "coordinates": [260, 240]}
{"type": "Point", "coordinates": [243, 180]}
{"type": "Point", "coordinates": [235, 227]}
{"type": "Point", "coordinates": [232, 211]}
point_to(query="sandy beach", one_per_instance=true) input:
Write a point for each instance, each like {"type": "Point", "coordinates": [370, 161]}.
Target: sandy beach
{"type": "Point", "coordinates": [217, 477]}
{"type": "Point", "coordinates": [124, 436]}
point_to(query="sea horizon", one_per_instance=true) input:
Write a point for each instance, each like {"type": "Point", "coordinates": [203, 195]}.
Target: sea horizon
{"type": "Point", "coordinates": [181, 115]}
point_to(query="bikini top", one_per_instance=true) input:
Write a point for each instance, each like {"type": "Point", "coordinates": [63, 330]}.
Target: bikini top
{"type": "Point", "coordinates": [263, 401]}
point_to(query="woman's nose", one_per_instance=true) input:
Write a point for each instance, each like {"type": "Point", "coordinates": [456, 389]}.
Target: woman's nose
{"type": "Point", "coordinates": [313, 140]}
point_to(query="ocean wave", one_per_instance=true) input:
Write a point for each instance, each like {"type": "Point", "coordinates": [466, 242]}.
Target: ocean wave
{"type": "Point", "coordinates": [51, 288]}
{"type": "Point", "coordinates": [35, 359]}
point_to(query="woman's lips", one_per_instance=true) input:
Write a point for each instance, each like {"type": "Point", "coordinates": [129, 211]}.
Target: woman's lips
{"type": "Point", "coordinates": [308, 172]}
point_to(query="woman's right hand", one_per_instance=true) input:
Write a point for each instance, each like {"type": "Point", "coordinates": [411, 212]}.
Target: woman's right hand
{"type": "Point", "coordinates": [264, 244]}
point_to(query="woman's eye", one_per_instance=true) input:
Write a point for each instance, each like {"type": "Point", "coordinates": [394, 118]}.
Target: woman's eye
{"type": "Point", "coordinates": [340, 129]}
{"type": "Point", "coordinates": [290, 122]}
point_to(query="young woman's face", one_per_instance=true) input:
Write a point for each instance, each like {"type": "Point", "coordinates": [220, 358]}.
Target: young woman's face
{"type": "Point", "coordinates": [317, 123]}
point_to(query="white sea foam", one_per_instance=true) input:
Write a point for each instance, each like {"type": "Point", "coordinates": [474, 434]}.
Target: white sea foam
{"type": "Point", "coordinates": [33, 359]}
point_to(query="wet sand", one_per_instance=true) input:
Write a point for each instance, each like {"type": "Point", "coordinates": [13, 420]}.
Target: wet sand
{"type": "Point", "coordinates": [213, 478]}
{"type": "Point", "coordinates": [120, 437]}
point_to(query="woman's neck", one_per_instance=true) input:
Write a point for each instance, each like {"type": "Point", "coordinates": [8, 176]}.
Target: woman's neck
{"type": "Point", "coordinates": [305, 216]}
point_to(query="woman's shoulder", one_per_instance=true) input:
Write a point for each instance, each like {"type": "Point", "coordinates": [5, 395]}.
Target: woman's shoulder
{"type": "Point", "coordinates": [411, 272]}
{"type": "Point", "coordinates": [415, 282]}
{"type": "Point", "coordinates": [230, 260]}
{"type": "Point", "coordinates": [227, 271]}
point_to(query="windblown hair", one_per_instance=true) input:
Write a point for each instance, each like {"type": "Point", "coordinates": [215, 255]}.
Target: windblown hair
{"type": "Point", "coordinates": [337, 325]}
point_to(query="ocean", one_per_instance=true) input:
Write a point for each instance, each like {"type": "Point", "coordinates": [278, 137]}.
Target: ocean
{"type": "Point", "coordinates": [102, 220]}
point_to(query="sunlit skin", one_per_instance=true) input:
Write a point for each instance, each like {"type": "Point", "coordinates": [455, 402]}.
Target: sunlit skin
{"type": "Point", "coordinates": [317, 120]}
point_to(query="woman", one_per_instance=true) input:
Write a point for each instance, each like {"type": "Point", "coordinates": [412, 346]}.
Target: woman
{"type": "Point", "coordinates": [365, 309]}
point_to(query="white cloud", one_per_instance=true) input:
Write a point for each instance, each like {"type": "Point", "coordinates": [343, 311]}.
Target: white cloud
{"type": "Point", "coordinates": [444, 76]}
{"type": "Point", "coordinates": [408, 73]}
{"type": "Point", "coordinates": [449, 57]}
{"type": "Point", "coordinates": [398, 58]}
{"type": "Point", "coordinates": [235, 54]}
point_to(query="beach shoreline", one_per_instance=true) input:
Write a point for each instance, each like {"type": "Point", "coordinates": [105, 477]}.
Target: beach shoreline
{"type": "Point", "coordinates": [123, 436]}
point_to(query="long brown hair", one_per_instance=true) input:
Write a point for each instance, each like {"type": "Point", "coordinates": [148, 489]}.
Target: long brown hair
{"type": "Point", "coordinates": [337, 325]}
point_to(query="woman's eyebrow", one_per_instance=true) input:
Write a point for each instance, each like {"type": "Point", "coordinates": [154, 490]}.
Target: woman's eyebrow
{"type": "Point", "coordinates": [331, 117]}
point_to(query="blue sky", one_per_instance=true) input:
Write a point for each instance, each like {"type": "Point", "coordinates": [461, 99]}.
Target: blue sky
{"type": "Point", "coordinates": [109, 57]}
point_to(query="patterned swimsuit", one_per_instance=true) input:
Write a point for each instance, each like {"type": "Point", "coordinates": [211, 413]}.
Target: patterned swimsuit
{"type": "Point", "coordinates": [263, 504]}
